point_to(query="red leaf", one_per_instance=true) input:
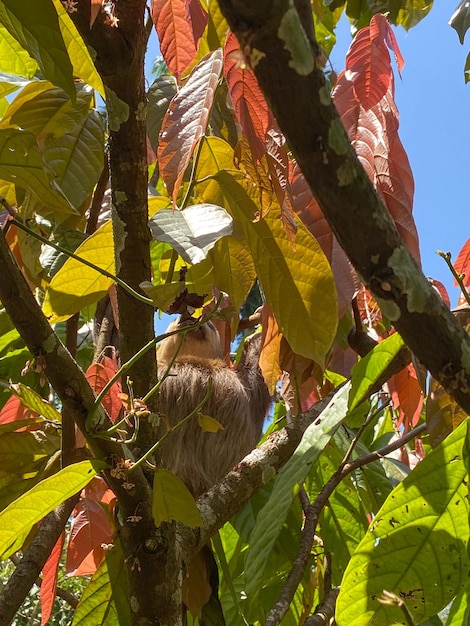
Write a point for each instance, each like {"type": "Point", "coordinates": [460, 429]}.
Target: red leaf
{"type": "Point", "coordinates": [13, 410]}
{"type": "Point", "coordinates": [177, 34]}
{"type": "Point", "coordinates": [407, 396]}
{"type": "Point", "coordinates": [199, 19]}
{"type": "Point", "coordinates": [374, 136]}
{"type": "Point", "coordinates": [368, 64]}
{"type": "Point", "coordinates": [462, 263]}
{"type": "Point", "coordinates": [439, 287]}
{"type": "Point", "coordinates": [309, 211]}
{"type": "Point", "coordinates": [186, 120]}
{"type": "Point", "coordinates": [98, 375]}
{"type": "Point", "coordinates": [251, 108]}
{"type": "Point", "coordinates": [49, 580]}
{"type": "Point", "coordinates": [91, 530]}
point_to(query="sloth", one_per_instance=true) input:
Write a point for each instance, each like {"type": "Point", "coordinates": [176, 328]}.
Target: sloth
{"type": "Point", "coordinates": [238, 399]}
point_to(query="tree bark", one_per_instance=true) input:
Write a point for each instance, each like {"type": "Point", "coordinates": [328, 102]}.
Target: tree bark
{"type": "Point", "coordinates": [286, 67]}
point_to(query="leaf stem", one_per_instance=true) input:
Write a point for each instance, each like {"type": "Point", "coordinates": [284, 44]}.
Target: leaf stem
{"type": "Point", "coordinates": [458, 277]}
{"type": "Point", "coordinates": [92, 266]}
{"type": "Point", "coordinates": [194, 412]}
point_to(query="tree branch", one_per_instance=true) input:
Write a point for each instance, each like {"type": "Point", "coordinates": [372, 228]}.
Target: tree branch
{"type": "Point", "coordinates": [295, 88]}
{"type": "Point", "coordinates": [311, 520]}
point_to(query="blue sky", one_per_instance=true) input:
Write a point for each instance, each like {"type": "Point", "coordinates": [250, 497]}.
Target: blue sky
{"type": "Point", "coordinates": [434, 105]}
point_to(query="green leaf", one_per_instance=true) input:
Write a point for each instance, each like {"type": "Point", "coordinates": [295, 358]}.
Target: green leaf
{"type": "Point", "coordinates": [77, 158]}
{"type": "Point", "coordinates": [13, 58]}
{"type": "Point", "coordinates": [20, 516]}
{"type": "Point", "coordinates": [32, 400]}
{"type": "Point", "coordinates": [173, 501]}
{"type": "Point", "coordinates": [369, 369]}
{"type": "Point", "coordinates": [24, 451]}
{"type": "Point", "coordinates": [296, 277]}
{"type": "Point", "coordinates": [76, 285]}
{"type": "Point", "coordinates": [412, 12]}
{"type": "Point", "coordinates": [460, 20]}
{"type": "Point", "coordinates": [105, 600]}
{"type": "Point", "coordinates": [193, 231]}
{"type": "Point", "coordinates": [271, 518]}
{"type": "Point", "coordinates": [35, 25]}
{"type": "Point", "coordinates": [22, 163]}
{"type": "Point", "coordinates": [44, 109]}
{"type": "Point", "coordinates": [159, 96]}
{"type": "Point", "coordinates": [422, 531]}
{"type": "Point", "coordinates": [83, 66]}
{"type": "Point", "coordinates": [163, 296]}
{"type": "Point", "coordinates": [459, 613]}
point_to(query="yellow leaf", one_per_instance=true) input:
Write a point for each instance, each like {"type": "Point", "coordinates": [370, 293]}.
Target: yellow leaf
{"type": "Point", "coordinates": [83, 66]}
{"type": "Point", "coordinates": [208, 424]}
{"type": "Point", "coordinates": [296, 279]}
{"type": "Point", "coordinates": [173, 501]}
{"type": "Point", "coordinates": [163, 296]}
{"type": "Point", "coordinates": [76, 285]}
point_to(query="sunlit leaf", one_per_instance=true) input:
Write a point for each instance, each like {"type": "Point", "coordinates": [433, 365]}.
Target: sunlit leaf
{"type": "Point", "coordinates": [368, 370]}
{"type": "Point", "coordinates": [173, 501]}
{"type": "Point", "coordinates": [192, 232]}
{"type": "Point", "coordinates": [76, 285]}
{"type": "Point", "coordinates": [50, 573]}
{"type": "Point", "coordinates": [413, 11]}
{"type": "Point", "coordinates": [374, 136]}
{"type": "Point", "coordinates": [77, 158]}
{"type": "Point", "coordinates": [33, 401]}
{"type": "Point", "coordinates": [35, 25]}
{"type": "Point", "coordinates": [98, 375]}
{"type": "Point", "coordinates": [422, 529]}
{"type": "Point", "coordinates": [20, 516]}
{"type": "Point", "coordinates": [44, 109]}
{"type": "Point", "coordinates": [159, 96]}
{"type": "Point", "coordinates": [462, 263]}
{"type": "Point", "coordinates": [250, 105]}
{"type": "Point", "coordinates": [13, 58]}
{"type": "Point", "coordinates": [271, 518]}
{"type": "Point", "coordinates": [368, 64]}
{"type": "Point", "coordinates": [105, 599]}
{"type": "Point", "coordinates": [177, 37]}
{"type": "Point", "coordinates": [296, 280]}
{"type": "Point", "coordinates": [22, 163]}
{"type": "Point", "coordinates": [83, 66]}
{"type": "Point", "coordinates": [164, 295]}
{"type": "Point", "coordinates": [90, 533]}
{"type": "Point", "coordinates": [186, 121]}
{"type": "Point", "coordinates": [407, 396]}
{"type": "Point", "coordinates": [308, 209]}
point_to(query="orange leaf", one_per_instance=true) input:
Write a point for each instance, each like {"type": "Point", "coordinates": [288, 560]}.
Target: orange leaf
{"type": "Point", "coordinates": [368, 64]}
{"type": "Point", "coordinates": [251, 108]}
{"type": "Point", "coordinates": [269, 357]}
{"type": "Point", "coordinates": [13, 410]}
{"type": "Point", "coordinates": [177, 34]}
{"type": "Point", "coordinates": [90, 530]}
{"type": "Point", "coordinates": [407, 396]}
{"type": "Point", "coordinates": [186, 120]}
{"type": "Point", "coordinates": [98, 375]}
{"type": "Point", "coordinates": [462, 263]}
{"type": "Point", "coordinates": [439, 287]}
{"type": "Point", "coordinates": [49, 579]}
